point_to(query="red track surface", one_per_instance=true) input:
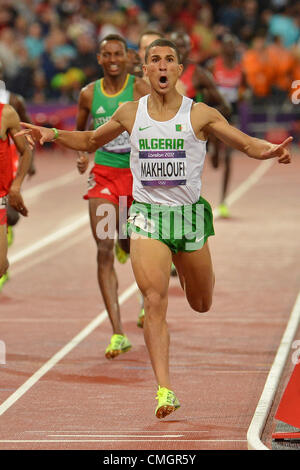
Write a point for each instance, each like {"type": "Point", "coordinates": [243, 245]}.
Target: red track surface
{"type": "Point", "coordinates": [219, 360]}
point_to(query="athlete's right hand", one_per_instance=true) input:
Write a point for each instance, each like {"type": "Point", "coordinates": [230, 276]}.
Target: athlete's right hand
{"type": "Point", "coordinates": [36, 133]}
{"type": "Point", "coordinates": [82, 162]}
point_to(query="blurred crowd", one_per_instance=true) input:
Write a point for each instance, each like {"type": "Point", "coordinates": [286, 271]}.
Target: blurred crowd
{"type": "Point", "coordinates": [48, 47]}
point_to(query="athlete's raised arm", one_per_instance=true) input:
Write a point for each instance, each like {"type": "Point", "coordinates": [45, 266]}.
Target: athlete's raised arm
{"type": "Point", "coordinates": [87, 141]}
{"type": "Point", "coordinates": [212, 122]}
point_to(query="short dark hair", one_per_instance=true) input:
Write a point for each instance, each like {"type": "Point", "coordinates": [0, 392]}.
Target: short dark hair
{"type": "Point", "coordinates": [150, 32]}
{"type": "Point", "coordinates": [113, 37]}
{"type": "Point", "coordinates": [162, 43]}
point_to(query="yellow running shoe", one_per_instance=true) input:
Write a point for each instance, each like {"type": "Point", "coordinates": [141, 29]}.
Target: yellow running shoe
{"type": "Point", "coordinates": [121, 255]}
{"type": "Point", "coordinates": [167, 402]}
{"type": "Point", "coordinates": [223, 210]}
{"type": "Point", "coordinates": [119, 344]}
{"type": "Point", "coordinates": [141, 318]}
{"type": "Point", "coordinates": [3, 280]}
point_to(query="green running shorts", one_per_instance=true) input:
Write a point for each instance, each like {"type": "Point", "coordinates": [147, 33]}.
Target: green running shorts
{"type": "Point", "coordinates": [181, 228]}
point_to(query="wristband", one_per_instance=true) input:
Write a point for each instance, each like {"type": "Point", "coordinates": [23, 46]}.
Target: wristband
{"type": "Point", "coordinates": [56, 135]}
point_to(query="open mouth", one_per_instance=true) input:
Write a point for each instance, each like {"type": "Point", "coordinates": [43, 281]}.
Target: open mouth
{"type": "Point", "coordinates": [163, 81]}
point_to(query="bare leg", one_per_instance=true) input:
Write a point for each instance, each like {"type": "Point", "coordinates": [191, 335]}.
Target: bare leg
{"type": "Point", "coordinates": [3, 250]}
{"type": "Point", "coordinates": [107, 278]}
{"type": "Point", "coordinates": [214, 149]}
{"type": "Point", "coordinates": [151, 262]}
{"type": "Point", "coordinates": [227, 172]}
{"type": "Point", "coordinates": [217, 151]}
{"type": "Point", "coordinates": [196, 277]}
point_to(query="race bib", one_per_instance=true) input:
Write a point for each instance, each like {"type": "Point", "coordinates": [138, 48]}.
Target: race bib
{"type": "Point", "coordinates": [3, 202]}
{"type": "Point", "coordinates": [162, 168]}
{"type": "Point", "coordinates": [120, 144]}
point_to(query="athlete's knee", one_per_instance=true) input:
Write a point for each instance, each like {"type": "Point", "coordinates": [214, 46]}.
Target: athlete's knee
{"type": "Point", "coordinates": [200, 305]}
{"type": "Point", "coordinates": [153, 297]}
{"type": "Point", "coordinates": [154, 302]}
{"type": "Point", "coordinates": [105, 252]}
{"type": "Point", "coordinates": [12, 216]}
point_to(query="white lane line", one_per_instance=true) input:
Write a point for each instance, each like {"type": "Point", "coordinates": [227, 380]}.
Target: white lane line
{"type": "Point", "coordinates": [139, 431]}
{"type": "Point", "coordinates": [41, 320]}
{"type": "Point", "coordinates": [255, 176]}
{"type": "Point", "coordinates": [100, 318]}
{"type": "Point", "coordinates": [116, 436]}
{"type": "Point", "coordinates": [52, 238]}
{"type": "Point", "coordinates": [119, 440]}
{"type": "Point", "coordinates": [63, 352]}
{"type": "Point", "coordinates": [64, 245]}
{"type": "Point", "coordinates": [54, 183]}
{"type": "Point", "coordinates": [266, 400]}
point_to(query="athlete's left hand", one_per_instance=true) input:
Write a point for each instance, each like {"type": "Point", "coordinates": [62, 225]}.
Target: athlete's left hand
{"type": "Point", "coordinates": [82, 162]}
{"type": "Point", "coordinates": [16, 201]}
{"type": "Point", "coordinates": [280, 151]}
